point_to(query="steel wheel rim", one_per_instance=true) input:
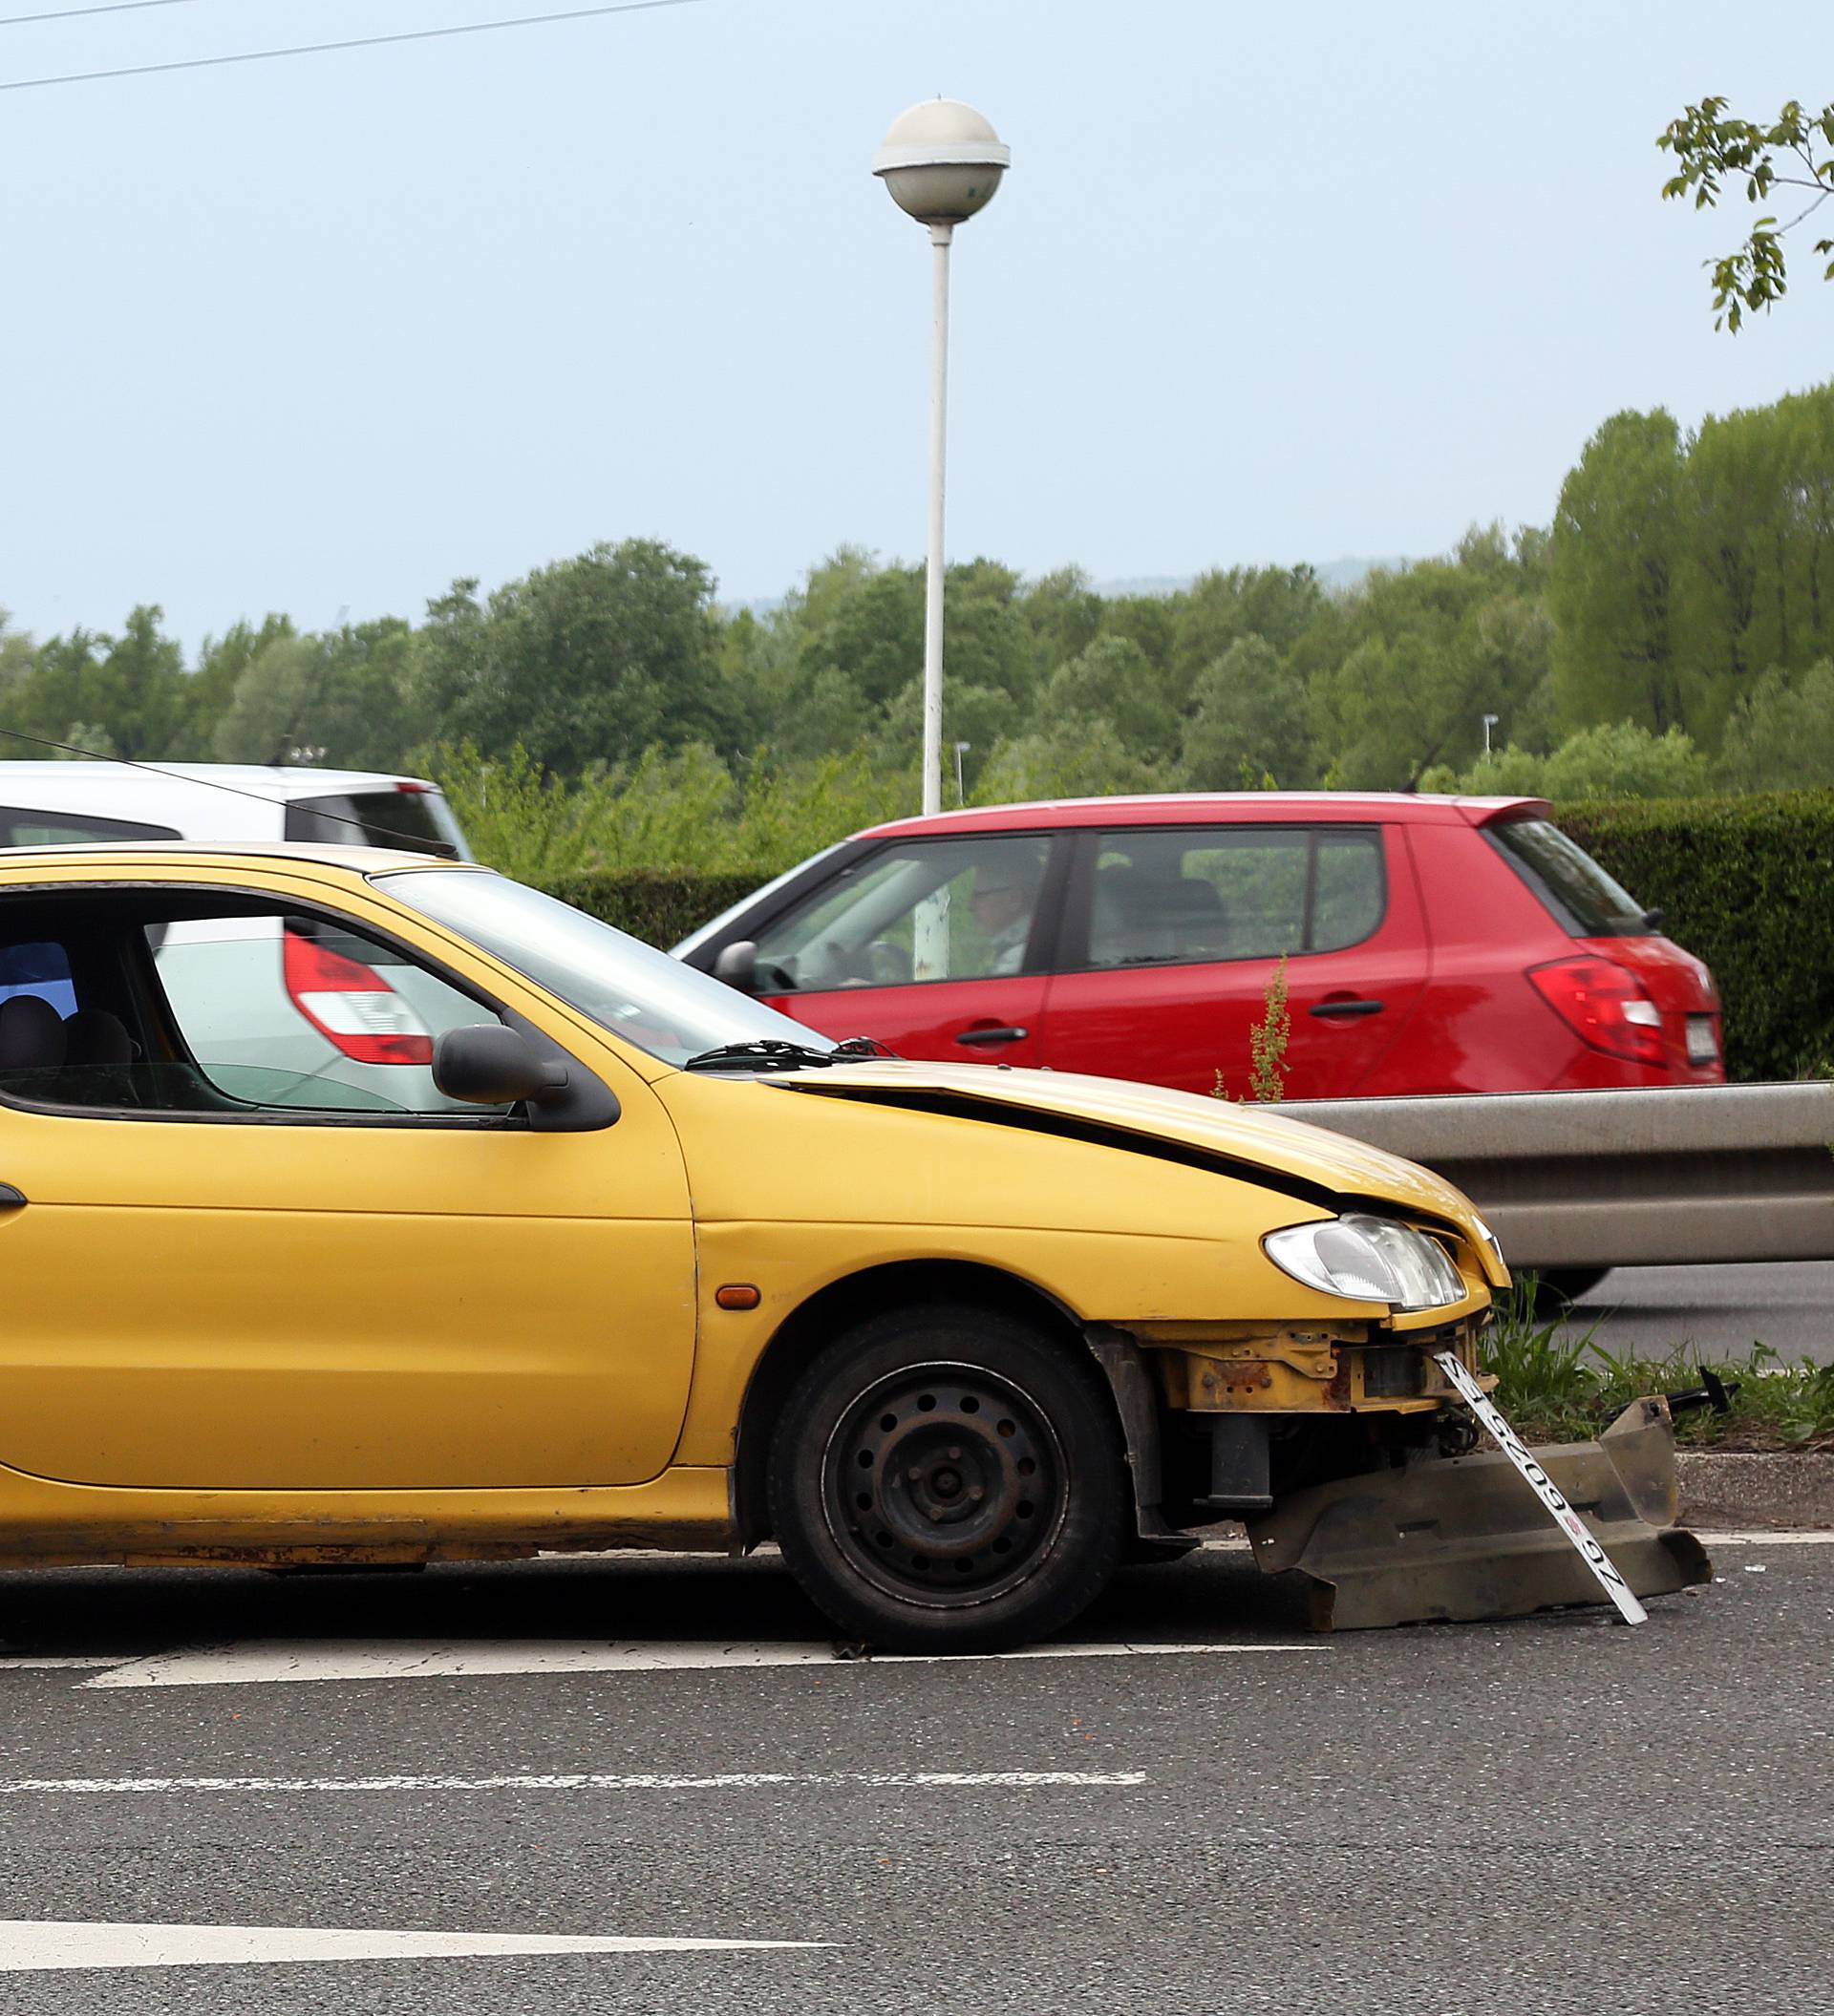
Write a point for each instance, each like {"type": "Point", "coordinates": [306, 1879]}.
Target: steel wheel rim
{"type": "Point", "coordinates": [945, 1485]}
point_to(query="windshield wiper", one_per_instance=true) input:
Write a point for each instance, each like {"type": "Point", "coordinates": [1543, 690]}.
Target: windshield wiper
{"type": "Point", "coordinates": [766, 1053]}
{"type": "Point", "coordinates": [774, 1054]}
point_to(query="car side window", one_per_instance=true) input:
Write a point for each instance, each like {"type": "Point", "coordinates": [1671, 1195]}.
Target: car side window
{"type": "Point", "coordinates": [1165, 896]}
{"type": "Point", "coordinates": [242, 1010]}
{"type": "Point", "coordinates": [42, 969]}
{"type": "Point", "coordinates": [300, 1011]}
{"type": "Point", "coordinates": [941, 909]}
{"type": "Point", "coordinates": [1348, 891]}
{"type": "Point", "coordinates": [21, 826]}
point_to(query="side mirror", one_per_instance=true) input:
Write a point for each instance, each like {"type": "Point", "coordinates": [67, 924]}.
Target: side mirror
{"type": "Point", "coordinates": [485, 1064]}
{"type": "Point", "coordinates": [737, 965]}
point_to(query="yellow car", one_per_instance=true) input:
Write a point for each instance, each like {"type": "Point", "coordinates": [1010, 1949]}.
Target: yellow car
{"type": "Point", "coordinates": [361, 1208]}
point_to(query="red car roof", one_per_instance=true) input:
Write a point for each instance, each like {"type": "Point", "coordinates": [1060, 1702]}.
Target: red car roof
{"type": "Point", "coordinates": [1215, 807]}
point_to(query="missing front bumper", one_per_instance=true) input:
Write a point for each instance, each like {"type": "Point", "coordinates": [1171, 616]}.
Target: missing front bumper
{"type": "Point", "coordinates": [1458, 1539]}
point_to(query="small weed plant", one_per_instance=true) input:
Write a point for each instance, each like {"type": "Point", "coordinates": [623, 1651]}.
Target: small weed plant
{"type": "Point", "coordinates": [1557, 1383]}
{"type": "Point", "coordinates": [1267, 1040]}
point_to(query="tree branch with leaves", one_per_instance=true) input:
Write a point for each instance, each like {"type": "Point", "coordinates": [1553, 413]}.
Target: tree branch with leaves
{"type": "Point", "coordinates": [1711, 151]}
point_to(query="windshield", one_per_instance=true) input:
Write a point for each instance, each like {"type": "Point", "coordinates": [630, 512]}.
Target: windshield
{"type": "Point", "coordinates": [635, 991]}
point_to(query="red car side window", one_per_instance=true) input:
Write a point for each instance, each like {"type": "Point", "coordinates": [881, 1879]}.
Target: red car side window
{"type": "Point", "coordinates": [1178, 896]}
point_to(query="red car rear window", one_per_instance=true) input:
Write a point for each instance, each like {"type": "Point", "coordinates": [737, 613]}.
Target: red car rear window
{"type": "Point", "coordinates": [1577, 892]}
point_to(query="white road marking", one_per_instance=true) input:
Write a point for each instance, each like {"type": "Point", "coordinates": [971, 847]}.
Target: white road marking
{"type": "Point", "coordinates": [30, 1945]}
{"type": "Point", "coordinates": [1762, 1536]}
{"type": "Point", "coordinates": [385, 1658]}
{"type": "Point", "coordinates": [592, 1781]}
{"type": "Point", "coordinates": [27, 1663]}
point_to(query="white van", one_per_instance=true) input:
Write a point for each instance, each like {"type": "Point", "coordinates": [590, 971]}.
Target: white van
{"type": "Point", "coordinates": [316, 1007]}
{"type": "Point", "coordinates": [59, 804]}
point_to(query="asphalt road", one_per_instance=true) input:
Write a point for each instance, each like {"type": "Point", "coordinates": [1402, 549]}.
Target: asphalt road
{"type": "Point", "coordinates": [1718, 1312]}
{"type": "Point", "coordinates": [1555, 1814]}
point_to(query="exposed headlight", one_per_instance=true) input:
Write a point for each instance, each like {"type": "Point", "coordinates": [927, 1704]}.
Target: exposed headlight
{"type": "Point", "coordinates": [1369, 1260]}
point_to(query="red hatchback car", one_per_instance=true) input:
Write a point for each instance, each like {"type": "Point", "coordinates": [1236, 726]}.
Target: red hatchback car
{"type": "Point", "coordinates": [1433, 945]}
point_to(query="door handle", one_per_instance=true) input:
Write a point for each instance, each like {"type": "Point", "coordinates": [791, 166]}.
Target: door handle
{"type": "Point", "coordinates": [993, 1035]}
{"type": "Point", "coordinates": [11, 1198]}
{"type": "Point", "coordinates": [1344, 1010]}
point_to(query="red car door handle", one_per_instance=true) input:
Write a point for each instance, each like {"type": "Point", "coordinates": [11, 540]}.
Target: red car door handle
{"type": "Point", "coordinates": [993, 1035]}
{"type": "Point", "coordinates": [1333, 1010]}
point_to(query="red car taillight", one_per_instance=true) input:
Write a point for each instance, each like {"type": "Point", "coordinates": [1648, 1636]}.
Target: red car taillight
{"type": "Point", "coordinates": [1605, 1006]}
{"type": "Point", "coordinates": [352, 1005]}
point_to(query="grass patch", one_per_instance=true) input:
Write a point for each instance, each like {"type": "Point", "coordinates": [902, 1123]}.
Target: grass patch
{"type": "Point", "coordinates": [1557, 1384]}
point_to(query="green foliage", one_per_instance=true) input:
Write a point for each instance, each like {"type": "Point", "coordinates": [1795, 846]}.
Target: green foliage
{"type": "Point", "coordinates": [1780, 736]}
{"type": "Point", "coordinates": [1556, 1383]}
{"type": "Point", "coordinates": [1682, 569]}
{"type": "Point", "coordinates": [679, 811]}
{"type": "Point", "coordinates": [1426, 653]}
{"type": "Point", "coordinates": [591, 660]}
{"type": "Point", "coordinates": [1611, 575]}
{"type": "Point", "coordinates": [1249, 713]}
{"type": "Point", "coordinates": [1112, 680]}
{"type": "Point", "coordinates": [1743, 883]}
{"type": "Point", "coordinates": [659, 909]}
{"type": "Point", "coordinates": [132, 686]}
{"type": "Point", "coordinates": [1617, 760]}
{"type": "Point", "coordinates": [1711, 150]}
{"type": "Point", "coordinates": [1269, 1035]}
{"type": "Point", "coordinates": [1074, 759]}
{"type": "Point", "coordinates": [336, 700]}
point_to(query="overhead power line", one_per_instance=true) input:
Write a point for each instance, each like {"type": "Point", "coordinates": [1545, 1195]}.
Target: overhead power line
{"type": "Point", "coordinates": [316, 49]}
{"type": "Point", "coordinates": [72, 13]}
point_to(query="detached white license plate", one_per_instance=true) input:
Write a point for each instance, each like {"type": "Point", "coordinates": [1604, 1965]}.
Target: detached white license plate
{"type": "Point", "coordinates": [1703, 1046]}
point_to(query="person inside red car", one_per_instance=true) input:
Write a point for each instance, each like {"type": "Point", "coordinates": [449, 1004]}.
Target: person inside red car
{"type": "Point", "coordinates": [1006, 894]}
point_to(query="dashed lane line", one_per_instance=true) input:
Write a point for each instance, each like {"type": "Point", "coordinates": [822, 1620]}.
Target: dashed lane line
{"type": "Point", "coordinates": [591, 1781]}
{"type": "Point", "coordinates": [278, 1660]}
{"type": "Point", "coordinates": [33, 1946]}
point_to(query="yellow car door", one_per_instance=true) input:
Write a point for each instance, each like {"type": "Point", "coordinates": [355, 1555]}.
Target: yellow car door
{"type": "Point", "coordinates": [270, 1273]}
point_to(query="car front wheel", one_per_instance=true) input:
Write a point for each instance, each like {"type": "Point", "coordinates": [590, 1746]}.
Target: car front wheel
{"type": "Point", "coordinates": [948, 1479]}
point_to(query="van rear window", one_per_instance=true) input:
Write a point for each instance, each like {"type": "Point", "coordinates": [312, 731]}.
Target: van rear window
{"type": "Point", "coordinates": [1581, 897]}
{"type": "Point", "coordinates": [23, 827]}
{"type": "Point", "coordinates": [417, 821]}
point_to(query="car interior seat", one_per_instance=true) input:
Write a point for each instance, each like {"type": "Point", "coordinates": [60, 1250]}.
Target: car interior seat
{"type": "Point", "coordinates": [31, 1034]}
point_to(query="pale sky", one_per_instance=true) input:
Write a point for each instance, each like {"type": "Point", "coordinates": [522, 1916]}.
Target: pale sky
{"type": "Point", "coordinates": [321, 334]}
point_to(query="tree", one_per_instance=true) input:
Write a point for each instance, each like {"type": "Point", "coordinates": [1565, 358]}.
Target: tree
{"type": "Point", "coordinates": [131, 687]}
{"type": "Point", "coordinates": [211, 690]}
{"type": "Point", "coordinates": [1114, 681]}
{"type": "Point", "coordinates": [1615, 759]}
{"type": "Point", "coordinates": [1249, 718]}
{"type": "Point", "coordinates": [1712, 150]}
{"type": "Point", "coordinates": [1611, 575]}
{"type": "Point", "coordinates": [1426, 652]}
{"type": "Point", "coordinates": [591, 660]}
{"type": "Point", "coordinates": [1276, 603]}
{"type": "Point", "coordinates": [1780, 736]}
{"type": "Point", "coordinates": [1079, 757]}
{"type": "Point", "coordinates": [339, 700]}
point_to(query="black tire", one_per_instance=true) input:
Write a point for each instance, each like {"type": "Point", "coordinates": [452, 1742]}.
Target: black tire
{"type": "Point", "coordinates": [1557, 1288]}
{"type": "Point", "coordinates": [945, 1480]}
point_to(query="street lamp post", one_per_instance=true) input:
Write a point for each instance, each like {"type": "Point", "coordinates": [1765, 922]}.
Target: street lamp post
{"type": "Point", "coordinates": [1490, 722]}
{"type": "Point", "coordinates": [942, 162]}
{"type": "Point", "coordinates": [961, 749]}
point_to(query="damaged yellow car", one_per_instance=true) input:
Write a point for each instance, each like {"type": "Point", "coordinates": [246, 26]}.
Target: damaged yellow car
{"type": "Point", "coordinates": [359, 1207]}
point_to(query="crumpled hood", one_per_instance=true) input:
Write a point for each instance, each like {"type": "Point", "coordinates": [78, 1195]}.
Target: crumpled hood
{"type": "Point", "coordinates": [1299, 1158]}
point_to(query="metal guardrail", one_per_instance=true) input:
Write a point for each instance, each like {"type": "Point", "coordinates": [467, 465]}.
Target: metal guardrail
{"type": "Point", "coordinates": [1653, 1176]}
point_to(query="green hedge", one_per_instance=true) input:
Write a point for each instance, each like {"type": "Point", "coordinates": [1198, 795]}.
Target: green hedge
{"type": "Point", "coordinates": [1747, 884]}
{"type": "Point", "coordinates": [657, 905]}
